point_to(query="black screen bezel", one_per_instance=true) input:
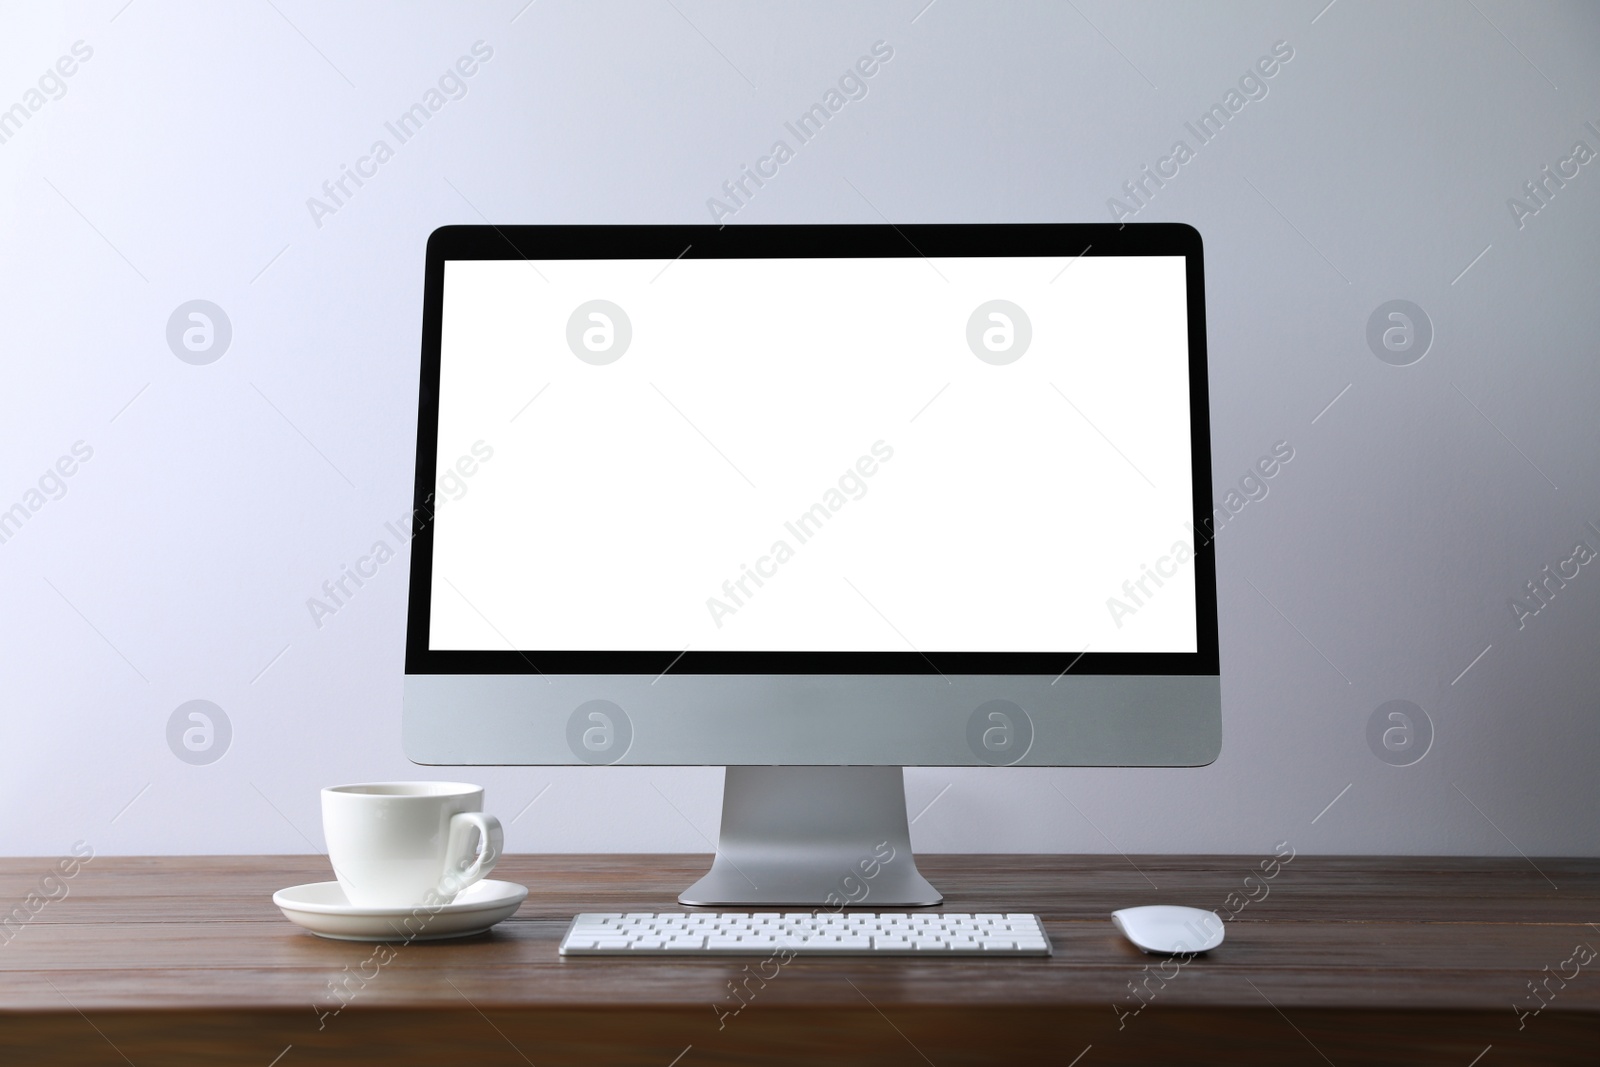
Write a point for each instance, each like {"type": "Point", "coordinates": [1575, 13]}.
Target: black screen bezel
{"type": "Point", "coordinates": [823, 241]}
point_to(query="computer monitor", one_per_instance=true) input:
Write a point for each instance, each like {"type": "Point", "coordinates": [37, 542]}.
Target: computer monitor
{"type": "Point", "coordinates": [813, 503]}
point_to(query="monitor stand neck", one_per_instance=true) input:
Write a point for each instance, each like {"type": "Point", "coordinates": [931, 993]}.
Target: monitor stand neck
{"type": "Point", "coordinates": [816, 837]}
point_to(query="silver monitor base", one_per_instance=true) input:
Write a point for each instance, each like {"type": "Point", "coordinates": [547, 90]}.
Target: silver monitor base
{"type": "Point", "coordinates": [815, 837]}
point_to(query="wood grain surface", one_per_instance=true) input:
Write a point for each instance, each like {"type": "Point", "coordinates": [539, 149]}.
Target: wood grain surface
{"type": "Point", "coordinates": [1336, 960]}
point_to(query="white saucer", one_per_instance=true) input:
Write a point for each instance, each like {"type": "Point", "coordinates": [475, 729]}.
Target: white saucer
{"type": "Point", "coordinates": [322, 908]}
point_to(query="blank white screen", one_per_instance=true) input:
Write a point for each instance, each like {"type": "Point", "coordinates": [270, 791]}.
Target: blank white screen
{"type": "Point", "coordinates": [627, 506]}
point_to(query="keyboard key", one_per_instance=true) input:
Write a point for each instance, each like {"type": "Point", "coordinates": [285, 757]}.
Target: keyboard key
{"type": "Point", "coordinates": [825, 948]}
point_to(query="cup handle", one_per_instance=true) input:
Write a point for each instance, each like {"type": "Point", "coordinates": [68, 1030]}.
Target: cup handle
{"type": "Point", "coordinates": [463, 867]}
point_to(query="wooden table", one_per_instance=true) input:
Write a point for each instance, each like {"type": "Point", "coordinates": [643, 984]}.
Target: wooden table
{"type": "Point", "coordinates": [178, 961]}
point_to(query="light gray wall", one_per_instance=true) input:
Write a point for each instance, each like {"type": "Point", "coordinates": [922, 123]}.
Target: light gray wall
{"type": "Point", "coordinates": [178, 164]}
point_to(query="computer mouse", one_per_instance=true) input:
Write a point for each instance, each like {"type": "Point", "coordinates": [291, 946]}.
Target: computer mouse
{"type": "Point", "coordinates": [1166, 929]}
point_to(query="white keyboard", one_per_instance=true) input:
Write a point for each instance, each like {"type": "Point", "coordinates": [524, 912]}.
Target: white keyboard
{"type": "Point", "coordinates": [804, 933]}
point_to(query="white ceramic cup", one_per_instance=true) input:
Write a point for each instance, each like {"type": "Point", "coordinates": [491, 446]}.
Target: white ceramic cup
{"type": "Point", "coordinates": [405, 844]}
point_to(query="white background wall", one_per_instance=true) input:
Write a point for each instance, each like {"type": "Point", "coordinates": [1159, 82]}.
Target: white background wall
{"type": "Point", "coordinates": [178, 164]}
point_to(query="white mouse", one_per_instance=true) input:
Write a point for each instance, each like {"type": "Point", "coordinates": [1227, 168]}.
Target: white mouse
{"type": "Point", "coordinates": [1169, 930]}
